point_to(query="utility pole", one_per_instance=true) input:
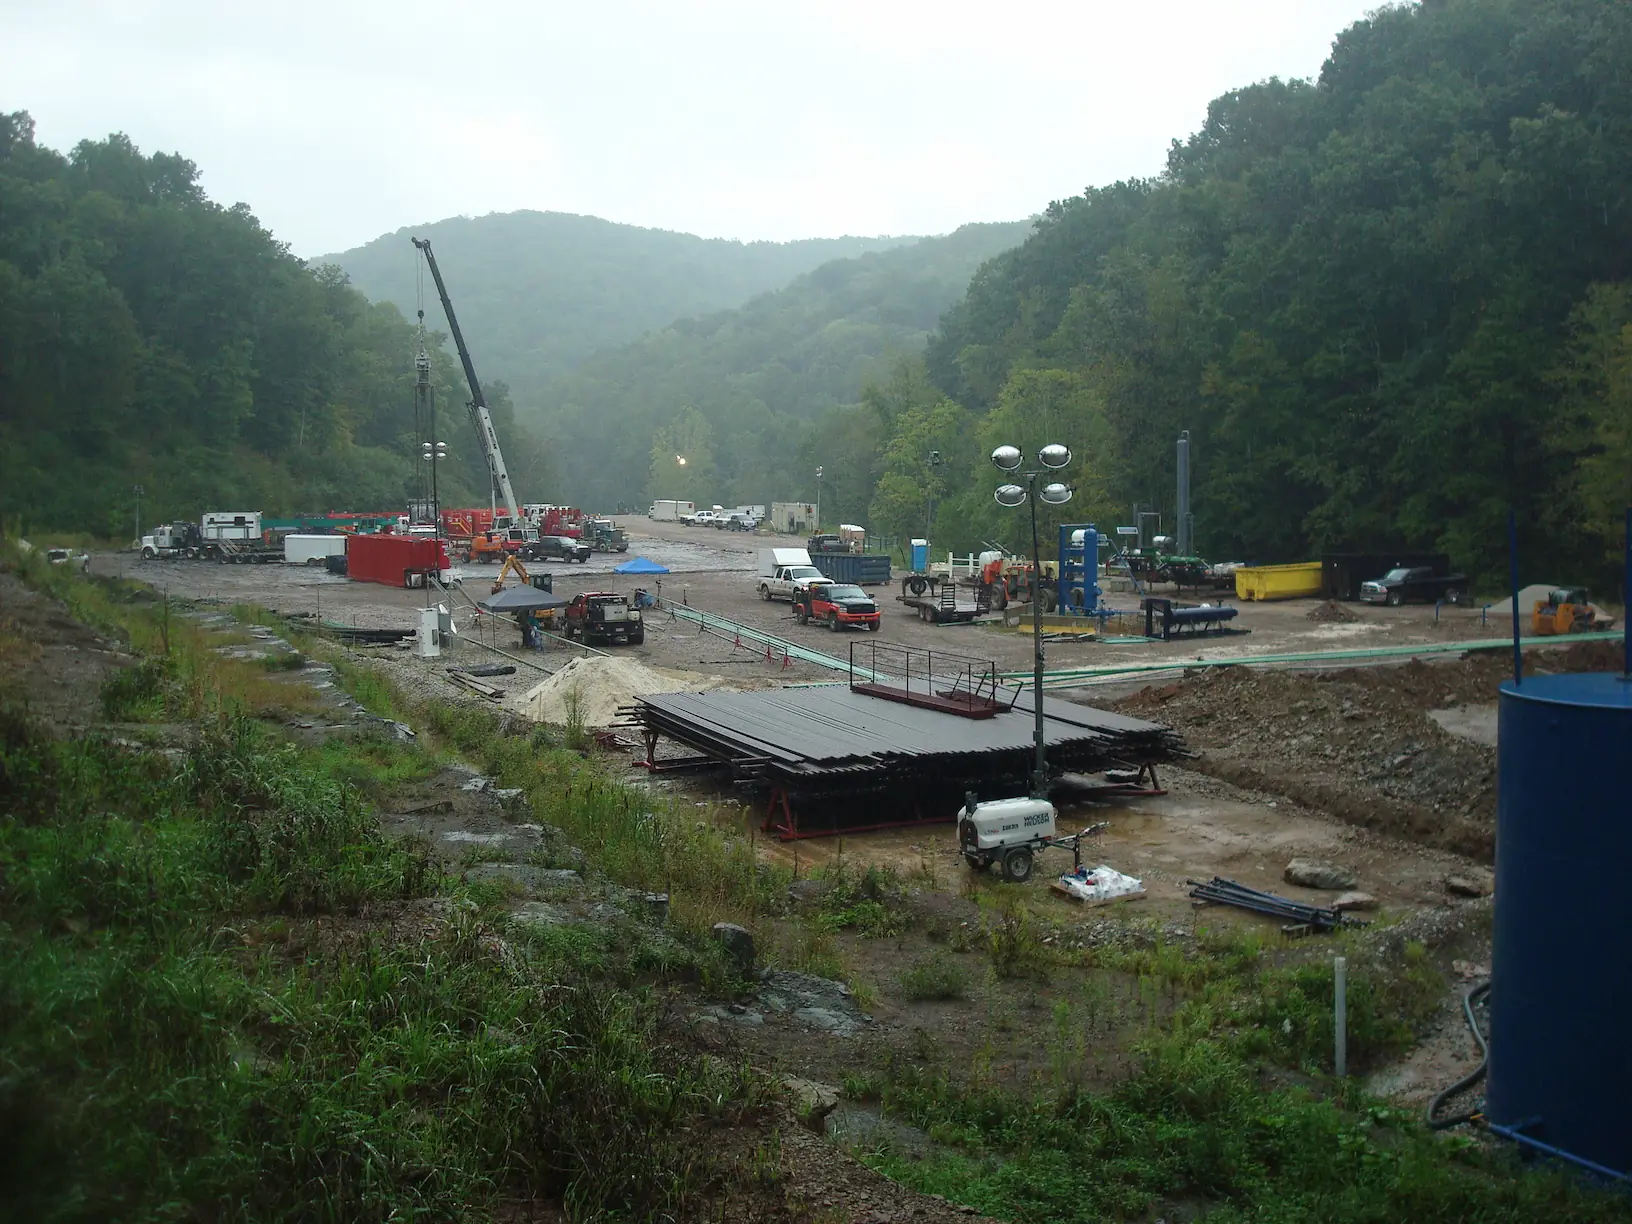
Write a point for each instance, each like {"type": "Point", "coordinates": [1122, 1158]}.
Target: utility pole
{"type": "Point", "coordinates": [818, 530]}
{"type": "Point", "coordinates": [138, 536]}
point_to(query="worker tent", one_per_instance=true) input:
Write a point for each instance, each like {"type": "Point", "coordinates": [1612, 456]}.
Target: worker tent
{"type": "Point", "coordinates": [640, 565]}
{"type": "Point", "coordinates": [521, 599]}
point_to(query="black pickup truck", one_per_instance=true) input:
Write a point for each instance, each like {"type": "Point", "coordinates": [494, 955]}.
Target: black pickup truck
{"type": "Point", "coordinates": [1418, 584]}
{"type": "Point", "coordinates": [555, 548]}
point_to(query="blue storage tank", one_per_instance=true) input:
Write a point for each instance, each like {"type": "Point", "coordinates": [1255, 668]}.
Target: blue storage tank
{"type": "Point", "coordinates": [1561, 996]}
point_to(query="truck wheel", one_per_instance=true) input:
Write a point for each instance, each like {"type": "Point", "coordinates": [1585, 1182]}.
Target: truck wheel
{"type": "Point", "coordinates": [1393, 599]}
{"type": "Point", "coordinates": [875, 625]}
{"type": "Point", "coordinates": [637, 638]}
{"type": "Point", "coordinates": [1017, 864]}
{"type": "Point", "coordinates": [833, 622]}
{"type": "Point", "coordinates": [1455, 595]}
{"type": "Point", "coordinates": [148, 554]}
{"type": "Point", "coordinates": [799, 614]}
{"type": "Point", "coordinates": [765, 592]}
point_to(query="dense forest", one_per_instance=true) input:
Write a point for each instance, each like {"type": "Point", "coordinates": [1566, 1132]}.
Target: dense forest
{"type": "Point", "coordinates": [537, 292]}
{"type": "Point", "coordinates": [1388, 305]}
{"type": "Point", "coordinates": [755, 398]}
{"type": "Point", "coordinates": [151, 337]}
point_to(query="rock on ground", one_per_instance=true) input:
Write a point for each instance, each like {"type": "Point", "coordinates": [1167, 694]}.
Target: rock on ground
{"type": "Point", "coordinates": [1316, 873]}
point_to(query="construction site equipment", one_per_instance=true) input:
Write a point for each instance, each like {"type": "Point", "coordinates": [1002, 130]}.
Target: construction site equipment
{"type": "Point", "coordinates": [838, 758]}
{"type": "Point", "coordinates": [1219, 891]}
{"type": "Point", "coordinates": [1566, 610]}
{"type": "Point", "coordinates": [837, 605]}
{"type": "Point", "coordinates": [1167, 619]}
{"type": "Point", "coordinates": [1077, 576]}
{"type": "Point", "coordinates": [603, 535]}
{"type": "Point", "coordinates": [1296, 581]}
{"type": "Point", "coordinates": [480, 416]}
{"type": "Point", "coordinates": [1559, 1074]}
{"type": "Point", "coordinates": [934, 679]}
{"type": "Point", "coordinates": [398, 560]}
{"type": "Point", "coordinates": [1342, 574]}
{"type": "Point", "coordinates": [605, 617]}
{"type": "Point", "coordinates": [312, 549]}
{"type": "Point", "coordinates": [862, 569]}
{"type": "Point", "coordinates": [1009, 832]}
{"type": "Point", "coordinates": [939, 601]}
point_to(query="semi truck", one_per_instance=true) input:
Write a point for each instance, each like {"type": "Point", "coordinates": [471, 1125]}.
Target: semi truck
{"type": "Point", "coordinates": [220, 535]}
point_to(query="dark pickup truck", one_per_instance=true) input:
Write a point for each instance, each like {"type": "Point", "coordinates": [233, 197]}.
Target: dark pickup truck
{"type": "Point", "coordinates": [555, 548]}
{"type": "Point", "coordinates": [1417, 584]}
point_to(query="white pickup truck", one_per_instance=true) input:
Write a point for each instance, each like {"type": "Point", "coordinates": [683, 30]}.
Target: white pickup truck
{"type": "Point", "coordinates": [782, 571]}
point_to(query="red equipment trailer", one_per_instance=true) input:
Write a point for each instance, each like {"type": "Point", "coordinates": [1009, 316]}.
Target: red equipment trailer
{"type": "Point", "coordinates": [395, 560]}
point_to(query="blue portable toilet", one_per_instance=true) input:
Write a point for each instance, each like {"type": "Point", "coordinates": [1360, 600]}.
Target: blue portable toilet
{"type": "Point", "coordinates": [919, 556]}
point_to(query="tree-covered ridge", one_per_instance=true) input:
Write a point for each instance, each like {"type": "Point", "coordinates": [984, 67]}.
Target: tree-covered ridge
{"type": "Point", "coordinates": [543, 290]}
{"type": "Point", "coordinates": [759, 387]}
{"type": "Point", "coordinates": [150, 336]}
{"type": "Point", "coordinates": [1388, 304]}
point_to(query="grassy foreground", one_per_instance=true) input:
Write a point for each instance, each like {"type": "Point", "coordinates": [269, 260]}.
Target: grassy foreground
{"type": "Point", "coordinates": [225, 995]}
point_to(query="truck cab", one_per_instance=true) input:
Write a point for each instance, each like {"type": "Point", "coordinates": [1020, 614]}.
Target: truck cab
{"type": "Point", "coordinates": [702, 518]}
{"type": "Point", "coordinates": [785, 581]}
{"type": "Point", "coordinates": [838, 605]}
{"type": "Point", "coordinates": [1414, 583]}
{"type": "Point", "coordinates": [604, 616]}
{"type": "Point", "coordinates": [556, 548]}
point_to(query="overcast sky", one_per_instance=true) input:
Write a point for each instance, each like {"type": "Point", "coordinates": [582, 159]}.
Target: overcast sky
{"type": "Point", "coordinates": [340, 121]}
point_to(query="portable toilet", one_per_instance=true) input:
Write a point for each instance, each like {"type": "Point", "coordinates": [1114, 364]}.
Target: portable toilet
{"type": "Point", "coordinates": [919, 556]}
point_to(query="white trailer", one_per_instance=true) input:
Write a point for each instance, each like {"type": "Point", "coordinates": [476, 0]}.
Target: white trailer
{"type": "Point", "coordinates": [231, 525]}
{"type": "Point", "coordinates": [312, 549]}
{"type": "Point", "coordinates": [668, 510]}
{"type": "Point", "coordinates": [793, 518]}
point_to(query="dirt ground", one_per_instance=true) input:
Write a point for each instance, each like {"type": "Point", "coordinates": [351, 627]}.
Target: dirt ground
{"type": "Point", "coordinates": [1388, 770]}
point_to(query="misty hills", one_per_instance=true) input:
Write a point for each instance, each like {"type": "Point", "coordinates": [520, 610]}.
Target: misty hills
{"type": "Point", "coordinates": [761, 376]}
{"type": "Point", "coordinates": [536, 292]}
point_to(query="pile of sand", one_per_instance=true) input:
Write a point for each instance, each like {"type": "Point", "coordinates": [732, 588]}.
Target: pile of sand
{"type": "Point", "coordinates": [601, 685]}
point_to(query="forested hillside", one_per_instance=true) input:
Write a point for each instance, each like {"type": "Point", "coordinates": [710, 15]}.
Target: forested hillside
{"type": "Point", "coordinates": [1388, 305]}
{"type": "Point", "coordinates": [150, 336]}
{"type": "Point", "coordinates": [537, 292]}
{"type": "Point", "coordinates": [755, 398]}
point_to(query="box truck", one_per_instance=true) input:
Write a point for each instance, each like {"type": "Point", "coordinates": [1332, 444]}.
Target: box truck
{"type": "Point", "coordinates": [669, 511]}
{"type": "Point", "coordinates": [312, 549]}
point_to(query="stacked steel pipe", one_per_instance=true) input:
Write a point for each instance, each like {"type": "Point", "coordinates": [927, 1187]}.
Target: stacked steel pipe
{"type": "Point", "coordinates": [1220, 891]}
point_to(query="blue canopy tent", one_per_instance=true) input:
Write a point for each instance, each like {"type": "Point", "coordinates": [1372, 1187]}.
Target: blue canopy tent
{"type": "Point", "coordinates": [640, 565]}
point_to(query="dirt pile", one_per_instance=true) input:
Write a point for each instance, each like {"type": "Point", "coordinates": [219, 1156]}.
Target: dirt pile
{"type": "Point", "coordinates": [595, 688]}
{"type": "Point", "coordinates": [1331, 613]}
{"type": "Point", "coordinates": [1348, 743]}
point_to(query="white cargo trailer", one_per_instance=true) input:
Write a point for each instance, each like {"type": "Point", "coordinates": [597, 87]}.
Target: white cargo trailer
{"type": "Point", "coordinates": [312, 549]}
{"type": "Point", "coordinates": [669, 510]}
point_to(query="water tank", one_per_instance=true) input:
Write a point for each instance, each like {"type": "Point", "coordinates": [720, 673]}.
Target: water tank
{"type": "Point", "coordinates": [1561, 973]}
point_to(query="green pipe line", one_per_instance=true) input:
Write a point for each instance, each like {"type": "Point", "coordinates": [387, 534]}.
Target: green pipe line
{"type": "Point", "coordinates": [711, 622]}
{"type": "Point", "coordinates": [1070, 676]}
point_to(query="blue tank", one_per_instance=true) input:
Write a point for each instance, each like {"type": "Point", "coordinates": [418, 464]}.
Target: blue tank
{"type": "Point", "coordinates": [1561, 995]}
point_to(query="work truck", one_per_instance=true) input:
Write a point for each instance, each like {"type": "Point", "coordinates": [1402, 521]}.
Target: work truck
{"type": "Point", "coordinates": [1416, 583]}
{"type": "Point", "coordinates": [604, 616]}
{"type": "Point", "coordinates": [838, 605]}
{"type": "Point", "coordinates": [784, 571]}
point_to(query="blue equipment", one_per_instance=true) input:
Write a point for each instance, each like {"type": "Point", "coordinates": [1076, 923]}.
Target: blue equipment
{"type": "Point", "coordinates": [1078, 589]}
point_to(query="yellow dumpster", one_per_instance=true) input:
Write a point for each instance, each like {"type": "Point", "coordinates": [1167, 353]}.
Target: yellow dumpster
{"type": "Point", "coordinates": [1278, 581]}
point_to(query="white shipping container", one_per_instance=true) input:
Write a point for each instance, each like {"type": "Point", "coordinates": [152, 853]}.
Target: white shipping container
{"type": "Point", "coordinates": [312, 549]}
{"type": "Point", "coordinates": [793, 518]}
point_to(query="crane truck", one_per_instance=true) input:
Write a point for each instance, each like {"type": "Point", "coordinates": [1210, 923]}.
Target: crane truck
{"type": "Point", "coordinates": [479, 415]}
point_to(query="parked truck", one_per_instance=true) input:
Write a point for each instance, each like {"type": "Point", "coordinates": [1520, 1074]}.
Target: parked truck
{"type": "Point", "coordinates": [1418, 583]}
{"type": "Point", "coordinates": [224, 536]}
{"type": "Point", "coordinates": [783, 571]}
{"type": "Point", "coordinates": [606, 617]}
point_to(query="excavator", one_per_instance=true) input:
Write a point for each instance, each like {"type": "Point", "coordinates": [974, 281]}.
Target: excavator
{"type": "Point", "coordinates": [1566, 610]}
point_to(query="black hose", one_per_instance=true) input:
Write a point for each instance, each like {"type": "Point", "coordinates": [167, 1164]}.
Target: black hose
{"type": "Point", "coordinates": [1473, 995]}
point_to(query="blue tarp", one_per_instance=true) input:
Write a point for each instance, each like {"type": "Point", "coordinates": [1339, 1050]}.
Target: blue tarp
{"type": "Point", "coordinates": [639, 565]}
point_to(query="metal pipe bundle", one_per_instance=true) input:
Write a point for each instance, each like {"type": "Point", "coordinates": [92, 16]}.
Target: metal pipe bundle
{"type": "Point", "coordinates": [1220, 891]}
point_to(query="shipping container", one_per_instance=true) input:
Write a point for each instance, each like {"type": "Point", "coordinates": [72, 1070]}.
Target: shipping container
{"type": "Point", "coordinates": [397, 560]}
{"type": "Point", "coordinates": [793, 518]}
{"type": "Point", "coordinates": [863, 569]}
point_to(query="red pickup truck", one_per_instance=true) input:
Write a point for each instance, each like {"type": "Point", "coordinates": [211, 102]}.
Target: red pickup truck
{"type": "Point", "coordinates": [836, 604]}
